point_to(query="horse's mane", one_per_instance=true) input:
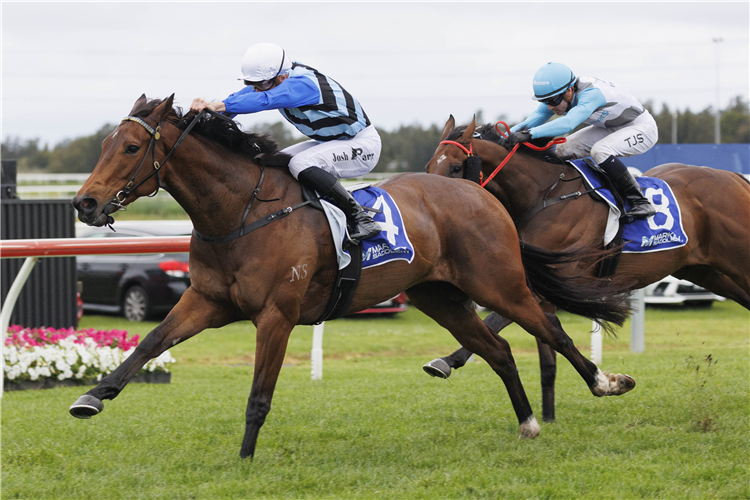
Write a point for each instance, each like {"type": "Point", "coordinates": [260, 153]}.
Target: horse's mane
{"type": "Point", "coordinates": [226, 133]}
{"type": "Point", "coordinates": [488, 132]}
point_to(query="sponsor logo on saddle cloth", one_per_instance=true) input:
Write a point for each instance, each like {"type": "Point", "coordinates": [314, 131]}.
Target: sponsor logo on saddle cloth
{"type": "Point", "coordinates": [392, 243]}
{"type": "Point", "coordinates": [663, 231]}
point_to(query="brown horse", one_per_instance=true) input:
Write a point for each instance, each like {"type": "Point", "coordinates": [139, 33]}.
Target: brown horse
{"type": "Point", "coordinates": [214, 172]}
{"type": "Point", "coordinates": [715, 206]}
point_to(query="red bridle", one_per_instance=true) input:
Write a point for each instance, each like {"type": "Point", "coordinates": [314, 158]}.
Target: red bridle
{"type": "Point", "coordinates": [469, 152]}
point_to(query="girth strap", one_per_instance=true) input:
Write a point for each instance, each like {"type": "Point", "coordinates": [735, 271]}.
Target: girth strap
{"type": "Point", "coordinates": [345, 287]}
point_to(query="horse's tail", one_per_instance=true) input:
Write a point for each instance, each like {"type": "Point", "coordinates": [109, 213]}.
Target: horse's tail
{"type": "Point", "coordinates": [602, 299]}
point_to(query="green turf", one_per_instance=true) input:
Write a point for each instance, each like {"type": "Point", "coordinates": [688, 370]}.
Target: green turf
{"type": "Point", "coordinates": [377, 427]}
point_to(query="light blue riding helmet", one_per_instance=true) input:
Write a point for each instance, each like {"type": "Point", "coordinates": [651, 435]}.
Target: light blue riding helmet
{"type": "Point", "coordinates": [552, 79]}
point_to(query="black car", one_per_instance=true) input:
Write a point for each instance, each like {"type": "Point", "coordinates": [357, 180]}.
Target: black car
{"type": "Point", "coordinates": [138, 287]}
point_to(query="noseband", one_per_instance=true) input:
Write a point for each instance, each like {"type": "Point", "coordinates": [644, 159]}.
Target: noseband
{"type": "Point", "coordinates": [473, 164]}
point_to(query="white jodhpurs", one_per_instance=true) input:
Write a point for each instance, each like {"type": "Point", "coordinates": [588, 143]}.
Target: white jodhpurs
{"type": "Point", "coordinates": [631, 139]}
{"type": "Point", "coordinates": [342, 158]}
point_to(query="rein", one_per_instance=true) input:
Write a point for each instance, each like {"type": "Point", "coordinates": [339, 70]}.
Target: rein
{"type": "Point", "coordinates": [469, 151]}
{"type": "Point", "coordinates": [553, 142]}
{"type": "Point", "coordinates": [131, 186]}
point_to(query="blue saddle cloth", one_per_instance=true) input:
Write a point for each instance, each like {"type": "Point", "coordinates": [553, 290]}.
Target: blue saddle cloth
{"type": "Point", "coordinates": [392, 243]}
{"type": "Point", "coordinates": [663, 231]}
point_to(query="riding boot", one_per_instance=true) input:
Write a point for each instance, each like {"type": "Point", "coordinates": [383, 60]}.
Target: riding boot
{"type": "Point", "coordinates": [361, 225]}
{"type": "Point", "coordinates": [640, 207]}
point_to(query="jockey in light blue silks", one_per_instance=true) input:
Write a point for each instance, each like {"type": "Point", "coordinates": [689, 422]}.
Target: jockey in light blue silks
{"type": "Point", "coordinates": [619, 126]}
{"type": "Point", "coordinates": [343, 143]}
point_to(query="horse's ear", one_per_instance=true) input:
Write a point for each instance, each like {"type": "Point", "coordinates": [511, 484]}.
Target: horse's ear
{"type": "Point", "coordinates": [449, 126]}
{"type": "Point", "coordinates": [469, 132]}
{"type": "Point", "coordinates": [140, 102]}
{"type": "Point", "coordinates": [163, 109]}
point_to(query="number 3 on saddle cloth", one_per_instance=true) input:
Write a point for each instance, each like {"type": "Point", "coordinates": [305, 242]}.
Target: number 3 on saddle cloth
{"type": "Point", "coordinates": [663, 231]}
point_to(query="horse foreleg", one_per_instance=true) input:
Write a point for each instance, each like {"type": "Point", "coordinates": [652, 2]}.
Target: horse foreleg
{"type": "Point", "coordinates": [548, 371]}
{"type": "Point", "coordinates": [272, 337]}
{"type": "Point", "coordinates": [454, 311]}
{"type": "Point", "coordinates": [190, 316]}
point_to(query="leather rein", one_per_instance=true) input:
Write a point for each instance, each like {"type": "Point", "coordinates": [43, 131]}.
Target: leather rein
{"type": "Point", "coordinates": [526, 217]}
{"type": "Point", "coordinates": [155, 133]}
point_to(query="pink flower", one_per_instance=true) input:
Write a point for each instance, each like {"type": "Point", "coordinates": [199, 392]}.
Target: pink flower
{"type": "Point", "coordinates": [36, 337]}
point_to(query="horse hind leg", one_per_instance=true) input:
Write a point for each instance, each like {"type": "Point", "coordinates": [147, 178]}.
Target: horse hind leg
{"type": "Point", "coordinates": [442, 367]}
{"type": "Point", "coordinates": [453, 310]}
{"type": "Point", "coordinates": [517, 303]}
{"type": "Point", "coordinates": [716, 282]}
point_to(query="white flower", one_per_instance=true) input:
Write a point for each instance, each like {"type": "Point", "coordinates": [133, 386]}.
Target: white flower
{"type": "Point", "coordinates": [70, 359]}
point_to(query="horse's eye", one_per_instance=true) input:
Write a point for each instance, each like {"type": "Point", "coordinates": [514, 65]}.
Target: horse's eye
{"type": "Point", "coordinates": [131, 149]}
{"type": "Point", "coordinates": [456, 169]}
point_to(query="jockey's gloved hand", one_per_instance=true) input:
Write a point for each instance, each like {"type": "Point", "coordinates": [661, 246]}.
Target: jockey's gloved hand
{"type": "Point", "coordinates": [518, 136]}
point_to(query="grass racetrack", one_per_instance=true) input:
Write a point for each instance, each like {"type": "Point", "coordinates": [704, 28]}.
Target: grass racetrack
{"type": "Point", "coordinates": [378, 427]}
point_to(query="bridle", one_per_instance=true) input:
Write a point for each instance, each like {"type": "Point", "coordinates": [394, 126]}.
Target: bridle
{"type": "Point", "coordinates": [155, 134]}
{"type": "Point", "coordinates": [469, 152]}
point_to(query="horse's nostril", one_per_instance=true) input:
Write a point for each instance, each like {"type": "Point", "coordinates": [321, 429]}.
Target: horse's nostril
{"type": "Point", "coordinates": [85, 204]}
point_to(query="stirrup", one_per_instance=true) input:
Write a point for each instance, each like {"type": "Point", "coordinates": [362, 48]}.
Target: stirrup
{"type": "Point", "coordinates": [348, 240]}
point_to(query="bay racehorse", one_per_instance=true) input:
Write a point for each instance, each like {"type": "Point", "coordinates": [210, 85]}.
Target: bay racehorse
{"type": "Point", "coordinates": [222, 176]}
{"type": "Point", "coordinates": [715, 205]}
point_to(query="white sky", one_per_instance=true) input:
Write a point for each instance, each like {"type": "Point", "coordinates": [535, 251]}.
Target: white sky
{"type": "Point", "coordinates": [69, 68]}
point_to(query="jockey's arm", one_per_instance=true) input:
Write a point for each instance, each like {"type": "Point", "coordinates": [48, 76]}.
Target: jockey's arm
{"type": "Point", "coordinates": [537, 117]}
{"type": "Point", "coordinates": [587, 102]}
{"type": "Point", "coordinates": [291, 93]}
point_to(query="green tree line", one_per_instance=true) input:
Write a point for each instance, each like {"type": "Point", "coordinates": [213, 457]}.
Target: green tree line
{"type": "Point", "coordinates": [406, 149]}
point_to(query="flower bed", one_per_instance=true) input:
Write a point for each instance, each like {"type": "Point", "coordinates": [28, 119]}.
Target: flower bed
{"type": "Point", "coordinates": [46, 357]}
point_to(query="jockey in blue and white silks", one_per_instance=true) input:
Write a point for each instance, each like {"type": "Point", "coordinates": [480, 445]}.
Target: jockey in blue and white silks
{"type": "Point", "coordinates": [343, 143]}
{"type": "Point", "coordinates": [620, 126]}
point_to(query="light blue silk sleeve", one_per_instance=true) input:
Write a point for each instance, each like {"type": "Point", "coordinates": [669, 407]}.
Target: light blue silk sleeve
{"type": "Point", "coordinates": [587, 102]}
{"type": "Point", "coordinates": [539, 116]}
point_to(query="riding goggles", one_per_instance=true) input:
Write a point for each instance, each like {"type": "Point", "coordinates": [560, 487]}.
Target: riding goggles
{"type": "Point", "coordinates": [262, 86]}
{"type": "Point", "coordinates": [555, 100]}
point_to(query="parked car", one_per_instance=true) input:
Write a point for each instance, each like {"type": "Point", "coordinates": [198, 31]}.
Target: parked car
{"type": "Point", "coordinates": [138, 287]}
{"type": "Point", "coordinates": [675, 291]}
{"type": "Point", "coordinates": [390, 307]}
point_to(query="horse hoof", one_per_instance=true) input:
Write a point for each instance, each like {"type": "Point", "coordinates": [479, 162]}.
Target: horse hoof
{"type": "Point", "coordinates": [437, 368]}
{"type": "Point", "coordinates": [609, 384]}
{"type": "Point", "coordinates": [86, 407]}
{"type": "Point", "coordinates": [529, 429]}
{"type": "Point", "coordinates": [626, 382]}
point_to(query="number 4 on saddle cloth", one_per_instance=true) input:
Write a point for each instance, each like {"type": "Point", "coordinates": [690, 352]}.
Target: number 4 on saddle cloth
{"type": "Point", "coordinates": [662, 231]}
{"type": "Point", "coordinates": [392, 243]}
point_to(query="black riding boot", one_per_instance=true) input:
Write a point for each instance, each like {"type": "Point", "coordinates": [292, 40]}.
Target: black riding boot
{"type": "Point", "coordinates": [640, 207]}
{"type": "Point", "coordinates": [361, 225]}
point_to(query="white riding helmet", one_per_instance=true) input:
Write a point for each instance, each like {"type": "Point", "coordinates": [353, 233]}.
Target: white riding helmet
{"type": "Point", "coordinates": [264, 61]}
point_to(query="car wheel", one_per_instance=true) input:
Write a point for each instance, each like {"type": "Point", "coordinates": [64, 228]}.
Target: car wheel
{"type": "Point", "coordinates": [135, 304]}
